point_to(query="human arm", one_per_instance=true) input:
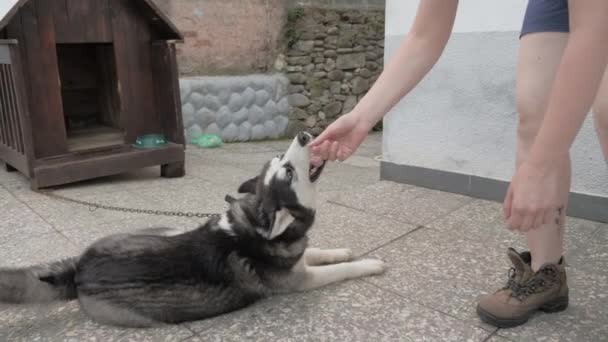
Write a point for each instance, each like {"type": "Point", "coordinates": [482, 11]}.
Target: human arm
{"type": "Point", "coordinates": [414, 58]}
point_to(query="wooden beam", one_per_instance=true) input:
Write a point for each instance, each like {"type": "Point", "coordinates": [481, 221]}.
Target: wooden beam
{"type": "Point", "coordinates": [73, 169]}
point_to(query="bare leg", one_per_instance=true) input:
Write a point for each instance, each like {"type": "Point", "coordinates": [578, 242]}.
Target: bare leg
{"type": "Point", "coordinates": [600, 114]}
{"type": "Point", "coordinates": [539, 58]}
{"type": "Point", "coordinates": [316, 256]}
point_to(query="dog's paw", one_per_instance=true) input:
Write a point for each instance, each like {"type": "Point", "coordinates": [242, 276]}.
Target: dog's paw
{"type": "Point", "coordinates": [343, 255]}
{"type": "Point", "coordinates": [372, 266]}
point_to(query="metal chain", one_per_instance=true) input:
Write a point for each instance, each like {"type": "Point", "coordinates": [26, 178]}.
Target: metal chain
{"type": "Point", "coordinates": [94, 206]}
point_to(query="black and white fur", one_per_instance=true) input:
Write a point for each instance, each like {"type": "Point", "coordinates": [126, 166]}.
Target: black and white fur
{"type": "Point", "coordinates": [255, 249]}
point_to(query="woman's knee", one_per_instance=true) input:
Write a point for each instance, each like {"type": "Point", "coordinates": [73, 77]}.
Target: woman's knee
{"type": "Point", "coordinates": [531, 113]}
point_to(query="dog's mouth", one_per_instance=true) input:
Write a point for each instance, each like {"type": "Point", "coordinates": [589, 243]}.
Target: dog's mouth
{"type": "Point", "coordinates": [315, 171]}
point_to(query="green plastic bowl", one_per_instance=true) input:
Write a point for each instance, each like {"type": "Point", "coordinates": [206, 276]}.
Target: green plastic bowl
{"type": "Point", "coordinates": [150, 141]}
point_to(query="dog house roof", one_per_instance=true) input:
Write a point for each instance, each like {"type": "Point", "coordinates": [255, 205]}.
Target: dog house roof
{"type": "Point", "coordinates": [8, 8]}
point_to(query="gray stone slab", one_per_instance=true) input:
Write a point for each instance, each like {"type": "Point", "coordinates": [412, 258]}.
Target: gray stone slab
{"type": "Point", "coordinates": [586, 318]}
{"type": "Point", "coordinates": [591, 256]}
{"type": "Point", "coordinates": [18, 220]}
{"type": "Point", "coordinates": [123, 199]}
{"type": "Point", "coordinates": [442, 272]}
{"type": "Point", "coordinates": [206, 198]}
{"type": "Point", "coordinates": [63, 215]}
{"type": "Point", "coordinates": [223, 174]}
{"type": "Point", "coordinates": [66, 322]}
{"type": "Point", "coordinates": [340, 176]}
{"type": "Point", "coordinates": [340, 227]}
{"type": "Point", "coordinates": [20, 189]}
{"type": "Point", "coordinates": [483, 221]}
{"type": "Point", "coordinates": [6, 197]}
{"type": "Point", "coordinates": [8, 177]}
{"type": "Point", "coordinates": [352, 311]}
{"type": "Point", "coordinates": [29, 250]}
{"type": "Point", "coordinates": [418, 206]}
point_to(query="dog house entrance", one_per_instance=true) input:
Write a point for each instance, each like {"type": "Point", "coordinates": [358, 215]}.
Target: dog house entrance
{"type": "Point", "coordinates": [89, 91]}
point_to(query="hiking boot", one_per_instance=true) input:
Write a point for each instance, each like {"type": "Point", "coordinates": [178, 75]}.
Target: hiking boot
{"type": "Point", "coordinates": [525, 293]}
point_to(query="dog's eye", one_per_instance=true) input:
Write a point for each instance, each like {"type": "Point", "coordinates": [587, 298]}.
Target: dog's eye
{"type": "Point", "coordinates": [289, 174]}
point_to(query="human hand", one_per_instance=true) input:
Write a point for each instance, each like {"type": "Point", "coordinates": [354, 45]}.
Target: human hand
{"type": "Point", "coordinates": [534, 197]}
{"type": "Point", "coordinates": [341, 139]}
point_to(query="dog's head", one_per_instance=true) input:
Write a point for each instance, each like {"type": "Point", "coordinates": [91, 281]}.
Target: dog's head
{"type": "Point", "coordinates": [286, 188]}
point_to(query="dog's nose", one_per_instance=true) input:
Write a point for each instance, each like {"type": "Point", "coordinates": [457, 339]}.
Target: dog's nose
{"type": "Point", "coordinates": [304, 138]}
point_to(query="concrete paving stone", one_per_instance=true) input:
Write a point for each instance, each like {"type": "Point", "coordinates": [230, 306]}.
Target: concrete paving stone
{"type": "Point", "coordinates": [376, 198]}
{"type": "Point", "coordinates": [340, 176]}
{"type": "Point", "coordinates": [352, 311]}
{"type": "Point", "coordinates": [63, 215]}
{"type": "Point", "coordinates": [341, 227]}
{"type": "Point", "coordinates": [253, 163]}
{"type": "Point", "coordinates": [206, 197]}
{"type": "Point", "coordinates": [445, 273]}
{"type": "Point", "coordinates": [19, 220]}
{"type": "Point", "coordinates": [6, 197]}
{"type": "Point", "coordinates": [483, 221]}
{"type": "Point", "coordinates": [223, 174]}
{"type": "Point", "coordinates": [82, 238]}
{"type": "Point", "coordinates": [31, 250]}
{"type": "Point", "coordinates": [9, 177]}
{"type": "Point", "coordinates": [66, 322]}
{"type": "Point", "coordinates": [125, 199]}
{"type": "Point", "coordinates": [405, 203]}
{"type": "Point", "coordinates": [363, 161]}
{"type": "Point", "coordinates": [21, 190]}
{"type": "Point", "coordinates": [586, 318]}
{"type": "Point", "coordinates": [497, 338]}
{"type": "Point", "coordinates": [591, 256]}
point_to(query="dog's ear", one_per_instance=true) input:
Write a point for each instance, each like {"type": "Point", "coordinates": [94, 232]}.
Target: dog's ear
{"type": "Point", "coordinates": [249, 186]}
{"type": "Point", "coordinates": [279, 222]}
{"type": "Point", "coordinates": [229, 199]}
{"type": "Point", "coordinates": [276, 222]}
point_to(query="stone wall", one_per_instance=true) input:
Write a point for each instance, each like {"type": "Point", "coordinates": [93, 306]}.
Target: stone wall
{"type": "Point", "coordinates": [239, 108]}
{"type": "Point", "coordinates": [333, 57]}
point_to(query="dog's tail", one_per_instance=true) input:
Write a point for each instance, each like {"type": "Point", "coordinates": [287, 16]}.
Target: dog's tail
{"type": "Point", "coordinates": [44, 283]}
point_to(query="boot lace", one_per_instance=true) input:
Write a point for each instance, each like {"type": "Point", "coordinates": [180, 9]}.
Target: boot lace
{"type": "Point", "coordinates": [540, 282]}
{"type": "Point", "coordinates": [511, 283]}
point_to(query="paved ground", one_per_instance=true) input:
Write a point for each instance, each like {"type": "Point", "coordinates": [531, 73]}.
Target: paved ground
{"type": "Point", "coordinates": [442, 251]}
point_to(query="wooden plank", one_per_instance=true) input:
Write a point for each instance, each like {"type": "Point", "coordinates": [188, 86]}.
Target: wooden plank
{"type": "Point", "coordinates": [148, 118]}
{"type": "Point", "coordinates": [15, 159]}
{"type": "Point", "coordinates": [5, 56]}
{"type": "Point", "coordinates": [168, 100]}
{"type": "Point", "coordinates": [23, 109]}
{"type": "Point", "coordinates": [161, 21]}
{"type": "Point", "coordinates": [82, 21]}
{"type": "Point", "coordinates": [4, 124]}
{"type": "Point", "coordinates": [58, 172]}
{"type": "Point", "coordinates": [63, 31]}
{"type": "Point", "coordinates": [121, 51]}
{"type": "Point", "coordinates": [45, 97]}
{"type": "Point", "coordinates": [13, 115]}
{"type": "Point", "coordinates": [4, 20]}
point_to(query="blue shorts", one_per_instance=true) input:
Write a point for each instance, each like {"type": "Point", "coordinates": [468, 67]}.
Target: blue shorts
{"type": "Point", "coordinates": [546, 16]}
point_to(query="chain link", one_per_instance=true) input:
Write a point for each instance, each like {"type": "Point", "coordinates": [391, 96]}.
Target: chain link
{"type": "Point", "coordinates": [94, 206]}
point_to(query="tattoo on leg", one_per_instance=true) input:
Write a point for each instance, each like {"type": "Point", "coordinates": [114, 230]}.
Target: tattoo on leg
{"type": "Point", "coordinates": [559, 215]}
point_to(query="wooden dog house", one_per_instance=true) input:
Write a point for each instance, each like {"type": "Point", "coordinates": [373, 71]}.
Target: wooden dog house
{"type": "Point", "coordinates": [80, 81]}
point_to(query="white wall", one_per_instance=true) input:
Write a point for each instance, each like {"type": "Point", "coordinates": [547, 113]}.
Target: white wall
{"type": "Point", "coordinates": [462, 118]}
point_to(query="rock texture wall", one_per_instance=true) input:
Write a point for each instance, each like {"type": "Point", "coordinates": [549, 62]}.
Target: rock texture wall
{"type": "Point", "coordinates": [332, 59]}
{"type": "Point", "coordinates": [239, 108]}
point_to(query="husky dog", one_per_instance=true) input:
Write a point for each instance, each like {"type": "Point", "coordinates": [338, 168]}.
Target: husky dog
{"type": "Point", "coordinates": [157, 276]}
